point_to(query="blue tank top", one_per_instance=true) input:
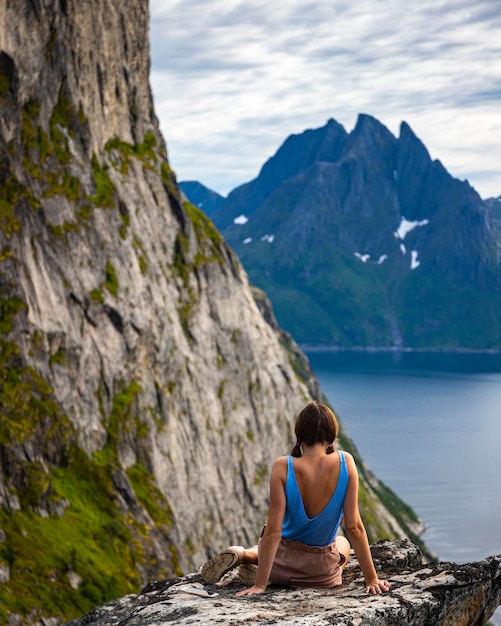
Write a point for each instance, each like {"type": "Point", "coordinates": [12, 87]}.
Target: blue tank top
{"type": "Point", "coordinates": [320, 530]}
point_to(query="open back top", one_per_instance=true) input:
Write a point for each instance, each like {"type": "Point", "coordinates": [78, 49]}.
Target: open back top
{"type": "Point", "coordinates": [320, 530]}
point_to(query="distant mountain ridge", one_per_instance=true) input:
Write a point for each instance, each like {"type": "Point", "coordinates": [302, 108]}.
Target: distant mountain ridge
{"type": "Point", "coordinates": [361, 239]}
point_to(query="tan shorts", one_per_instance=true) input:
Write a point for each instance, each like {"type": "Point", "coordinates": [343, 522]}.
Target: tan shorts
{"type": "Point", "coordinates": [299, 565]}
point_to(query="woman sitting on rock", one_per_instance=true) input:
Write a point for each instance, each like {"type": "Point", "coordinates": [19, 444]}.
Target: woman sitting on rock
{"type": "Point", "coordinates": [310, 492]}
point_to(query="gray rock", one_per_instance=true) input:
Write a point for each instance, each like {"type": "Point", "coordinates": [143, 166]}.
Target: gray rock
{"type": "Point", "coordinates": [444, 594]}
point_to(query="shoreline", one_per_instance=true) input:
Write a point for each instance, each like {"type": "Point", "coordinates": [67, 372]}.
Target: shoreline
{"type": "Point", "coordinates": [397, 349]}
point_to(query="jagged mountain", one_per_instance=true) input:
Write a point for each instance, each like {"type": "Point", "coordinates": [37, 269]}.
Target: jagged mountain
{"type": "Point", "coordinates": [360, 239]}
{"type": "Point", "coordinates": [144, 387]}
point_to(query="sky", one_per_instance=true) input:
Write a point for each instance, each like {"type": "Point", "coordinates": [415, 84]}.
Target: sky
{"type": "Point", "coordinates": [232, 80]}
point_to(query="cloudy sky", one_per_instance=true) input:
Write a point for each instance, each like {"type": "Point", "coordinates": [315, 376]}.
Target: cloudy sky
{"type": "Point", "coordinates": [233, 79]}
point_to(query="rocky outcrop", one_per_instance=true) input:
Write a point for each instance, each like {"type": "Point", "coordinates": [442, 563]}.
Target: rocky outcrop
{"type": "Point", "coordinates": [443, 594]}
{"type": "Point", "coordinates": [143, 392]}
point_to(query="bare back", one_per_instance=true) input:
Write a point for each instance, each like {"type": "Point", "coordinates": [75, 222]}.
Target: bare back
{"type": "Point", "coordinates": [317, 478]}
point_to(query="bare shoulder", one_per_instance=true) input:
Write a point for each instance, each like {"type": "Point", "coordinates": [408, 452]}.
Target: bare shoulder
{"type": "Point", "coordinates": [350, 461]}
{"type": "Point", "coordinates": [348, 455]}
{"type": "Point", "coordinates": [280, 465]}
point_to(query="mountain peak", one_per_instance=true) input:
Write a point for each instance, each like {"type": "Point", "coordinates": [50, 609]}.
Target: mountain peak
{"type": "Point", "coordinates": [371, 233]}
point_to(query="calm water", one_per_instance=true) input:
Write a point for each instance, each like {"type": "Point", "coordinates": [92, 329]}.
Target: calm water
{"type": "Point", "coordinates": [429, 426]}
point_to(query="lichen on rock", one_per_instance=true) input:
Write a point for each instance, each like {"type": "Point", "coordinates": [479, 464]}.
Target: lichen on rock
{"type": "Point", "coordinates": [444, 594]}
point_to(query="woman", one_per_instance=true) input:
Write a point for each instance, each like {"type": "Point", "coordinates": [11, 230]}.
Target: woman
{"type": "Point", "coordinates": [310, 492]}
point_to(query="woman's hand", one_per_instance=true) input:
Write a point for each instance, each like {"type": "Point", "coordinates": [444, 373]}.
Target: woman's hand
{"type": "Point", "coordinates": [251, 591]}
{"type": "Point", "coordinates": [376, 586]}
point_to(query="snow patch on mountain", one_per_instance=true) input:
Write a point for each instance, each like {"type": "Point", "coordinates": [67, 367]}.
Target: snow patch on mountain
{"type": "Point", "coordinates": [241, 219]}
{"type": "Point", "coordinates": [406, 227]}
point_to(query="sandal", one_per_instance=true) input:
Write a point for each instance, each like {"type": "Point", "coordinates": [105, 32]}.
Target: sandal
{"type": "Point", "coordinates": [216, 568]}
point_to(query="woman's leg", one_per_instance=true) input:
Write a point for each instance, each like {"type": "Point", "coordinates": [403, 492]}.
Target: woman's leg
{"type": "Point", "coordinates": [344, 547]}
{"type": "Point", "coordinates": [250, 555]}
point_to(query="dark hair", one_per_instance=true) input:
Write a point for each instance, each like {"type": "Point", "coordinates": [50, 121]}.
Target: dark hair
{"type": "Point", "coordinates": [316, 423]}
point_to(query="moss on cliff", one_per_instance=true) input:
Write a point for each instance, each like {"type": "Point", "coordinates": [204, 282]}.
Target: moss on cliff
{"type": "Point", "coordinates": [122, 152]}
{"type": "Point", "coordinates": [210, 242]}
{"type": "Point", "coordinates": [68, 544]}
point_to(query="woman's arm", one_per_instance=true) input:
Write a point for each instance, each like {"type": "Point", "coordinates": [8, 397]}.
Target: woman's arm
{"type": "Point", "coordinates": [273, 531]}
{"type": "Point", "coordinates": [356, 533]}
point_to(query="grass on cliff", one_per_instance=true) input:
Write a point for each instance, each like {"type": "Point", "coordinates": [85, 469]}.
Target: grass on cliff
{"type": "Point", "coordinates": [67, 544]}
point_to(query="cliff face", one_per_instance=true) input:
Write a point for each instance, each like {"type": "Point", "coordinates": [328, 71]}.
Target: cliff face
{"type": "Point", "coordinates": [143, 393]}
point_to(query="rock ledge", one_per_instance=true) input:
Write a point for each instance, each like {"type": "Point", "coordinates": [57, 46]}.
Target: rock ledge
{"type": "Point", "coordinates": [421, 594]}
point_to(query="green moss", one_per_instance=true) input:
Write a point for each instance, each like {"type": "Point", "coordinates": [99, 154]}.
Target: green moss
{"type": "Point", "coordinates": [63, 113]}
{"type": "Point", "coordinates": [83, 531]}
{"type": "Point", "coordinates": [149, 495]}
{"type": "Point", "coordinates": [125, 217]}
{"type": "Point", "coordinates": [261, 475]}
{"type": "Point", "coordinates": [143, 265]}
{"type": "Point", "coordinates": [46, 157]}
{"type": "Point", "coordinates": [5, 253]}
{"type": "Point", "coordinates": [96, 295]}
{"type": "Point", "coordinates": [184, 310]}
{"type": "Point", "coordinates": [11, 193]}
{"type": "Point", "coordinates": [9, 307]}
{"type": "Point", "coordinates": [60, 230]}
{"type": "Point", "coordinates": [105, 189]}
{"type": "Point", "coordinates": [60, 146]}
{"type": "Point", "coordinates": [111, 281]}
{"type": "Point", "coordinates": [220, 390]}
{"type": "Point", "coordinates": [122, 152]}
{"type": "Point", "coordinates": [142, 257]}
{"type": "Point", "coordinates": [92, 538]}
{"type": "Point", "coordinates": [120, 415]}
{"type": "Point", "coordinates": [210, 242]}
{"type": "Point", "coordinates": [58, 357]}
{"type": "Point", "coordinates": [296, 359]}
{"type": "Point", "coordinates": [85, 212]}
{"type": "Point", "coordinates": [29, 132]}
{"type": "Point", "coordinates": [63, 185]}
{"type": "Point", "coordinates": [168, 178]}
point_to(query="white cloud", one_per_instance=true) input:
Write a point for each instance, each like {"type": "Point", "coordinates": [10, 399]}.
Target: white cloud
{"type": "Point", "coordinates": [232, 80]}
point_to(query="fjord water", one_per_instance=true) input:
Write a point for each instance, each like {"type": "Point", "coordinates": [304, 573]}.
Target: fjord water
{"type": "Point", "coordinates": [429, 426]}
